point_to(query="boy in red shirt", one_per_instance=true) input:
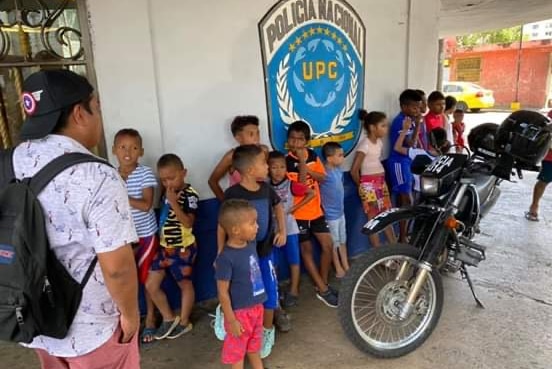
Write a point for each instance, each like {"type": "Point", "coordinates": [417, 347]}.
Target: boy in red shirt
{"type": "Point", "coordinates": [436, 104]}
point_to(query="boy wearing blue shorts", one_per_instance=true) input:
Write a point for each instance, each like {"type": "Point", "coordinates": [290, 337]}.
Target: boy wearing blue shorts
{"type": "Point", "coordinates": [286, 190]}
{"type": "Point", "coordinates": [398, 164]}
{"type": "Point", "coordinates": [250, 162]}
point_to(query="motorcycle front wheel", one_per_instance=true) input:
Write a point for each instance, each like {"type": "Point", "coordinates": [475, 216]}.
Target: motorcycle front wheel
{"type": "Point", "coordinates": [372, 294]}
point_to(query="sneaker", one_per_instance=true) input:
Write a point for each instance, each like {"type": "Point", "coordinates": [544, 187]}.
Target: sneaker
{"type": "Point", "coordinates": [180, 330]}
{"type": "Point", "coordinates": [268, 342]}
{"type": "Point", "coordinates": [166, 328]}
{"type": "Point", "coordinates": [335, 291]}
{"type": "Point", "coordinates": [282, 321]}
{"type": "Point", "coordinates": [289, 301]}
{"type": "Point", "coordinates": [329, 298]}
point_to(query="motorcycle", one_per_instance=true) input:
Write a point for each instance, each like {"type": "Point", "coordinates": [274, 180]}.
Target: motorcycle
{"type": "Point", "coordinates": [391, 299]}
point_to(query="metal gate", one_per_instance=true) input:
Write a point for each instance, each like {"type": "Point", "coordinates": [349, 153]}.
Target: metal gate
{"type": "Point", "coordinates": [37, 35]}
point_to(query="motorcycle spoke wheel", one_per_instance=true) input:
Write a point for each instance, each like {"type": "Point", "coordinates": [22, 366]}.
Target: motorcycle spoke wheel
{"type": "Point", "coordinates": [377, 299]}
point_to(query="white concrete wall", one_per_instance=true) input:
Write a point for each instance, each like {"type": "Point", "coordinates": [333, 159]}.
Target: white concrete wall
{"type": "Point", "coordinates": [125, 71]}
{"type": "Point", "coordinates": [179, 71]}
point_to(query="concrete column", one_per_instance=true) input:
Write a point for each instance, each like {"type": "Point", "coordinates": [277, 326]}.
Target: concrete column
{"type": "Point", "coordinates": [423, 38]}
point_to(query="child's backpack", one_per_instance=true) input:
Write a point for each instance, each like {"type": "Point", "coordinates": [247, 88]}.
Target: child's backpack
{"type": "Point", "coordinates": [37, 294]}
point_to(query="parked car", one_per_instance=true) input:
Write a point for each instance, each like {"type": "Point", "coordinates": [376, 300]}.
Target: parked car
{"type": "Point", "coordinates": [469, 96]}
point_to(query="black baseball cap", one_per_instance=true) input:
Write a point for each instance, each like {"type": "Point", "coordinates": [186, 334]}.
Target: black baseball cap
{"type": "Point", "coordinates": [45, 95]}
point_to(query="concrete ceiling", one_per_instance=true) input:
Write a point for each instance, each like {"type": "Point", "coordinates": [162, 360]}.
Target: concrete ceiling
{"type": "Point", "coordinates": [459, 17]}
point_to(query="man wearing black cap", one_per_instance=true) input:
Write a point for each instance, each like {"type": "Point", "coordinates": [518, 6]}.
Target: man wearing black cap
{"type": "Point", "coordinates": [88, 215]}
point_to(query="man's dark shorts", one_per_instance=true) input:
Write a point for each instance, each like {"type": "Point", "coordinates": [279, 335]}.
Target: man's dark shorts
{"type": "Point", "coordinates": [309, 227]}
{"type": "Point", "coordinates": [545, 174]}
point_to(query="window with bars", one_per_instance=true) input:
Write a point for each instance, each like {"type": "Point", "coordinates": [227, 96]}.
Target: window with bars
{"type": "Point", "coordinates": [37, 35]}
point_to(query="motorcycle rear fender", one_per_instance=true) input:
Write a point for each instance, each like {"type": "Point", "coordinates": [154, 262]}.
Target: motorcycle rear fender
{"type": "Point", "coordinates": [382, 220]}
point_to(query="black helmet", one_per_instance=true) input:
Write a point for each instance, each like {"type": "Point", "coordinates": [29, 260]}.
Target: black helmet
{"type": "Point", "coordinates": [482, 140]}
{"type": "Point", "coordinates": [526, 136]}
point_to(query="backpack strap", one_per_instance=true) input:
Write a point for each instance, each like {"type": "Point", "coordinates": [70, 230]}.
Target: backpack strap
{"type": "Point", "coordinates": [50, 171]}
{"type": "Point", "coordinates": [89, 271]}
{"type": "Point", "coordinates": [6, 170]}
{"type": "Point", "coordinates": [58, 165]}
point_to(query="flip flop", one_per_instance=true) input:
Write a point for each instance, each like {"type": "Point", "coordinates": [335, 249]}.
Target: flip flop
{"type": "Point", "coordinates": [147, 336]}
{"type": "Point", "coordinates": [531, 216]}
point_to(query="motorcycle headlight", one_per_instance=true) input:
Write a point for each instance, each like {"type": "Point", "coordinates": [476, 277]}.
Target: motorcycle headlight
{"type": "Point", "coordinates": [430, 186]}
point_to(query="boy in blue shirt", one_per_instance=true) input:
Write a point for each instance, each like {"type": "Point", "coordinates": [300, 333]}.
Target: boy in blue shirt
{"type": "Point", "coordinates": [240, 285]}
{"type": "Point", "coordinates": [398, 164]}
{"type": "Point", "coordinates": [333, 195]}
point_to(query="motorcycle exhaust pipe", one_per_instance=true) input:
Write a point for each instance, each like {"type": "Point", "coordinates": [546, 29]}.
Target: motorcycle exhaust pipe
{"type": "Point", "coordinates": [421, 277]}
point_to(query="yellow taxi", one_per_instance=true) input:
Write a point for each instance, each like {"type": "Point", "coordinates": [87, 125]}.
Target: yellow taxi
{"type": "Point", "coordinates": [470, 96]}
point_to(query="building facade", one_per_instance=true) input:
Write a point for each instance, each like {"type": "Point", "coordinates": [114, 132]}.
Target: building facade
{"type": "Point", "coordinates": [178, 71]}
{"type": "Point", "coordinates": [495, 67]}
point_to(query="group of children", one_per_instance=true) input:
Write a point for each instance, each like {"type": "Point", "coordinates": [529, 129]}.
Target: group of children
{"type": "Point", "coordinates": [275, 204]}
{"type": "Point", "coordinates": [421, 128]}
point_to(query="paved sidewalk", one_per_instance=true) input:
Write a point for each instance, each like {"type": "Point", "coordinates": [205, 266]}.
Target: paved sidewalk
{"type": "Point", "coordinates": [514, 331]}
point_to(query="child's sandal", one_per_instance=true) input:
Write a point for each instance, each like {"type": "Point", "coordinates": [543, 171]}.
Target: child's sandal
{"type": "Point", "coordinates": [147, 336]}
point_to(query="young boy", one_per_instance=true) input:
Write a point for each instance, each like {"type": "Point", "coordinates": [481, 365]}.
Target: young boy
{"type": "Point", "coordinates": [286, 190]}
{"type": "Point", "coordinates": [304, 166]}
{"type": "Point", "coordinates": [422, 133]}
{"type": "Point", "coordinates": [450, 107]}
{"type": "Point", "coordinates": [398, 164]}
{"type": "Point", "coordinates": [458, 128]}
{"type": "Point", "coordinates": [333, 194]}
{"type": "Point", "coordinates": [423, 106]}
{"type": "Point", "coordinates": [140, 182]}
{"type": "Point", "coordinates": [436, 104]}
{"type": "Point", "coordinates": [245, 130]}
{"type": "Point", "coordinates": [240, 285]}
{"type": "Point", "coordinates": [250, 162]}
{"type": "Point", "coordinates": [438, 139]}
{"type": "Point", "coordinates": [178, 247]}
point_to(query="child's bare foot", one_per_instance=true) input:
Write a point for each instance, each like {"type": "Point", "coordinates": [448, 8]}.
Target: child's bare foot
{"type": "Point", "coordinates": [340, 274]}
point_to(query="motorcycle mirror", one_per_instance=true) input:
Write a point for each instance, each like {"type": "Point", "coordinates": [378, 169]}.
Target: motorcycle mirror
{"type": "Point", "coordinates": [420, 163]}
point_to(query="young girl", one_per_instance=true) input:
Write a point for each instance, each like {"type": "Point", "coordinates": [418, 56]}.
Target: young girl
{"type": "Point", "coordinates": [368, 172]}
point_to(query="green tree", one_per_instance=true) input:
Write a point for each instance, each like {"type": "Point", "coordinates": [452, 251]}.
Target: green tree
{"type": "Point", "coordinates": [501, 36]}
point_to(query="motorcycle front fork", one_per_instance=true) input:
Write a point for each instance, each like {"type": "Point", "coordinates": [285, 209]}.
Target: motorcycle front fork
{"type": "Point", "coordinates": [423, 270]}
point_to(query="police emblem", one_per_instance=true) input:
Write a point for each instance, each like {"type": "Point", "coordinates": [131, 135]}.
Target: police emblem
{"type": "Point", "coordinates": [313, 59]}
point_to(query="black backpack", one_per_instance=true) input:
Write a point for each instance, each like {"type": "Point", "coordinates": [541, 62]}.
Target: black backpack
{"type": "Point", "coordinates": [37, 294]}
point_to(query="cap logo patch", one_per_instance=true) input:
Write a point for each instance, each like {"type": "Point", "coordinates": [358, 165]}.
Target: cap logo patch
{"type": "Point", "coordinates": [29, 103]}
{"type": "Point", "coordinates": [37, 94]}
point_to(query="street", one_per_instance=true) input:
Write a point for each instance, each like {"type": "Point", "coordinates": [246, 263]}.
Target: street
{"type": "Point", "coordinates": [473, 119]}
{"type": "Point", "coordinates": [512, 332]}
